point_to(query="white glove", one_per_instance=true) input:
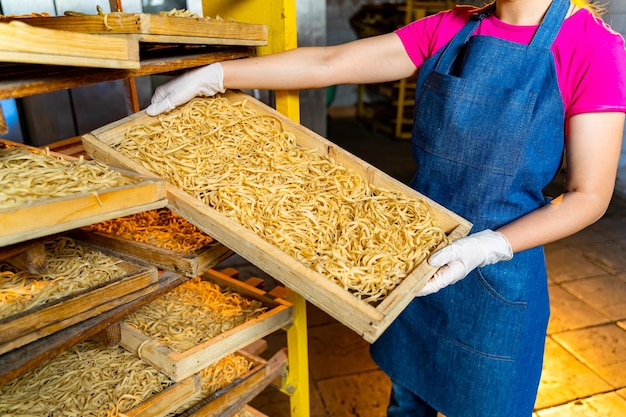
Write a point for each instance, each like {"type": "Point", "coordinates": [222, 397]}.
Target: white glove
{"type": "Point", "coordinates": [203, 81]}
{"type": "Point", "coordinates": [462, 256]}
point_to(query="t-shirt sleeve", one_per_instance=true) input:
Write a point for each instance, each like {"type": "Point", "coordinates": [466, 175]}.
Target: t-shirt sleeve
{"type": "Point", "coordinates": [424, 37]}
{"type": "Point", "coordinates": [596, 75]}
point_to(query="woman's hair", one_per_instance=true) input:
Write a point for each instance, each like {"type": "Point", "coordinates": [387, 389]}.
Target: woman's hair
{"type": "Point", "coordinates": [592, 6]}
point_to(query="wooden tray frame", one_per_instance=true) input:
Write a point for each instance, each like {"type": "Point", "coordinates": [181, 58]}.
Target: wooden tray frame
{"type": "Point", "coordinates": [180, 365]}
{"type": "Point", "coordinates": [236, 395]}
{"type": "Point", "coordinates": [190, 264]}
{"type": "Point", "coordinates": [61, 214]}
{"type": "Point", "coordinates": [156, 28]}
{"type": "Point", "coordinates": [367, 320]}
{"type": "Point", "coordinates": [168, 400]}
{"type": "Point", "coordinates": [33, 324]}
{"type": "Point", "coordinates": [40, 45]}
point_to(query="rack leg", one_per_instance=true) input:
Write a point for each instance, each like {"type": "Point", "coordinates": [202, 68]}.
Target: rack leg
{"type": "Point", "coordinates": [296, 383]}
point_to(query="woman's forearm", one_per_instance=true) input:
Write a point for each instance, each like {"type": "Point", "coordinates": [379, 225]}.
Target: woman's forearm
{"type": "Point", "coordinates": [376, 59]}
{"type": "Point", "coordinates": [593, 150]}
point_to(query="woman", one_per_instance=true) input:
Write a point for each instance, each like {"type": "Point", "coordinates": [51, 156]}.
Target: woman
{"type": "Point", "coordinates": [501, 92]}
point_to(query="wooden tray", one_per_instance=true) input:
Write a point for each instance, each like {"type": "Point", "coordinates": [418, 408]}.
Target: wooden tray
{"type": "Point", "coordinates": [60, 214]}
{"type": "Point", "coordinates": [232, 398]}
{"type": "Point", "coordinates": [191, 264]}
{"type": "Point", "coordinates": [169, 400]}
{"type": "Point", "coordinates": [157, 28]}
{"type": "Point", "coordinates": [38, 45]}
{"type": "Point", "coordinates": [46, 319]}
{"type": "Point", "coordinates": [367, 320]}
{"type": "Point", "coordinates": [163, 403]}
{"type": "Point", "coordinates": [180, 365]}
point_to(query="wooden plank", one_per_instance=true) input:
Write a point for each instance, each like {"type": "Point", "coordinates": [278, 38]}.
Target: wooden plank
{"type": "Point", "coordinates": [174, 29]}
{"type": "Point", "coordinates": [57, 47]}
{"type": "Point", "coordinates": [169, 400]}
{"type": "Point", "coordinates": [27, 326]}
{"type": "Point", "coordinates": [233, 398]}
{"type": "Point", "coordinates": [19, 361]}
{"type": "Point", "coordinates": [33, 259]}
{"type": "Point", "coordinates": [366, 319]}
{"type": "Point", "coordinates": [110, 336]}
{"type": "Point", "coordinates": [180, 365]}
{"type": "Point", "coordinates": [26, 80]}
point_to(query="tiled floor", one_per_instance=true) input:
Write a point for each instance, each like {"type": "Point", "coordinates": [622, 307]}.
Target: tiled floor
{"type": "Point", "coordinates": [585, 363]}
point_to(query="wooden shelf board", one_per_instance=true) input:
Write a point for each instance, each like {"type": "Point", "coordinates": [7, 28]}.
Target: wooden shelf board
{"type": "Point", "coordinates": [22, 80]}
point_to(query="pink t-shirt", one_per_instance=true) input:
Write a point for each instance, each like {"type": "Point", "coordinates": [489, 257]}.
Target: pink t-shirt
{"type": "Point", "coordinates": [590, 58]}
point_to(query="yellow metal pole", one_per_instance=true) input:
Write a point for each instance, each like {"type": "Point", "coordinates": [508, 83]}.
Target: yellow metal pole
{"type": "Point", "coordinates": [280, 18]}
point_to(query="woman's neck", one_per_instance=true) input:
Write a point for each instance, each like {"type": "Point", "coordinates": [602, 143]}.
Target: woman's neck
{"type": "Point", "coordinates": [522, 12]}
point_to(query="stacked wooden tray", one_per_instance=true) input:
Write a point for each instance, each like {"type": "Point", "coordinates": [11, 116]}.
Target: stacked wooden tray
{"type": "Point", "coordinates": [366, 319]}
{"type": "Point", "coordinates": [53, 316]}
{"type": "Point", "coordinates": [189, 263]}
{"type": "Point", "coordinates": [54, 215]}
{"type": "Point", "coordinates": [180, 365]}
{"type": "Point", "coordinates": [112, 40]}
{"type": "Point", "coordinates": [39, 45]}
{"type": "Point", "coordinates": [156, 28]}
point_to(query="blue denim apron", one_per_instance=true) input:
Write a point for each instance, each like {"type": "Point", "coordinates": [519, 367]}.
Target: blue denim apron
{"type": "Point", "coordinates": [488, 137]}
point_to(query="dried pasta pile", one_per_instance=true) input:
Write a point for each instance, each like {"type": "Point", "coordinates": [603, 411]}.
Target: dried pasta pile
{"type": "Point", "coordinates": [218, 376]}
{"type": "Point", "coordinates": [85, 380]}
{"type": "Point", "coordinates": [192, 313]}
{"type": "Point", "coordinates": [71, 268]}
{"type": "Point", "coordinates": [31, 177]}
{"type": "Point", "coordinates": [161, 228]}
{"type": "Point", "coordinates": [244, 165]}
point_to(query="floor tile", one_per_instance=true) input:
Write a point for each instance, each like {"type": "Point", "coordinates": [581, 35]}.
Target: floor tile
{"type": "Point", "coordinates": [606, 294]}
{"type": "Point", "coordinates": [587, 236]}
{"type": "Point", "coordinates": [334, 350]}
{"type": "Point", "coordinates": [569, 263]}
{"type": "Point", "coordinates": [570, 313]}
{"type": "Point", "coordinates": [601, 348]}
{"type": "Point", "coordinates": [610, 256]}
{"type": "Point", "coordinates": [605, 405]}
{"type": "Point", "coordinates": [612, 227]}
{"type": "Point", "coordinates": [341, 395]}
{"type": "Point", "coordinates": [565, 379]}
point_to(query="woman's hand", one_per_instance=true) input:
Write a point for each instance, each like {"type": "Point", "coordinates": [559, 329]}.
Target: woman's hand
{"type": "Point", "coordinates": [462, 256]}
{"type": "Point", "coordinates": [204, 81]}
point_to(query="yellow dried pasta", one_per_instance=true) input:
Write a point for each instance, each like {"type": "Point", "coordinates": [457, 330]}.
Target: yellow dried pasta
{"type": "Point", "coordinates": [40, 176]}
{"type": "Point", "coordinates": [246, 166]}
{"type": "Point", "coordinates": [71, 268]}
{"type": "Point", "coordinates": [86, 381]}
{"type": "Point", "coordinates": [192, 313]}
{"type": "Point", "coordinates": [161, 228]}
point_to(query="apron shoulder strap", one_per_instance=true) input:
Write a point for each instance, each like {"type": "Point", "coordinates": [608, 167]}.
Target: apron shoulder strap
{"type": "Point", "coordinates": [450, 51]}
{"type": "Point", "coordinates": [551, 24]}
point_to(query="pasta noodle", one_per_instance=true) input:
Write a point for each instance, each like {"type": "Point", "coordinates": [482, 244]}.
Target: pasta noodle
{"type": "Point", "coordinates": [40, 176]}
{"type": "Point", "coordinates": [192, 313]}
{"type": "Point", "coordinates": [218, 376]}
{"type": "Point", "coordinates": [84, 381]}
{"type": "Point", "coordinates": [162, 228]}
{"type": "Point", "coordinates": [246, 166]}
{"type": "Point", "coordinates": [71, 268]}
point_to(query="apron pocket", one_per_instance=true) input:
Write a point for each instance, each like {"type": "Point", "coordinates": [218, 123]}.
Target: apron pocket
{"type": "Point", "coordinates": [473, 316]}
{"type": "Point", "coordinates": [490, 122]}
